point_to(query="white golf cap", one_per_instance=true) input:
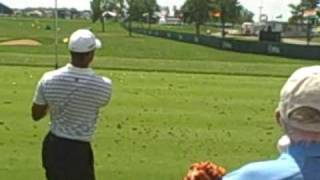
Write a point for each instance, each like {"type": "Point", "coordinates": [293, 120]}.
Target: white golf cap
{"type": "Point", "coordinates": [82, 41]}
{"type": "Point", "coordinates": [301, 91]}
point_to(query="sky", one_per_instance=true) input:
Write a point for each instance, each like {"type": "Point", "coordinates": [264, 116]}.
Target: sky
{"type": "Point", "coordinates": [272, 8]}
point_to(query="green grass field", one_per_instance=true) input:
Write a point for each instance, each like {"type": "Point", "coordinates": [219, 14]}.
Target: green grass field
{"type": "Point", "coordinates": [173, 103]}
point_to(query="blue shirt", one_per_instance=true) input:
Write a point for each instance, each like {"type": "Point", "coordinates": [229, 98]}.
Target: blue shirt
{"type": "Point", "coordinates": [301, 162]}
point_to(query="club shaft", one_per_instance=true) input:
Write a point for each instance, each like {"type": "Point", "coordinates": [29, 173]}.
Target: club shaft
{"type": "Point", "coordinates": [56, 35]}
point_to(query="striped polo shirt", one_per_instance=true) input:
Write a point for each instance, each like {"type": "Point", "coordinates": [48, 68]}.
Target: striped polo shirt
{"type": "Point", "coordinates": [74, 96]}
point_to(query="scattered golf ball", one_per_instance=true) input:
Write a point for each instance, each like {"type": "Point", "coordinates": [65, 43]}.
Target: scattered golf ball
{"type": "Point", "coordinates": [65, 40]}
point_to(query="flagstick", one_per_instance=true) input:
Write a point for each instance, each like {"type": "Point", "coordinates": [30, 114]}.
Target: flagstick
{"type": "Point", "coordinates": [56, 34]}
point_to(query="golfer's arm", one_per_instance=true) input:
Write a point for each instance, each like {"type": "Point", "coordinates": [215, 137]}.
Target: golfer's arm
{"type": "Point", "coordinates": [39, 111]}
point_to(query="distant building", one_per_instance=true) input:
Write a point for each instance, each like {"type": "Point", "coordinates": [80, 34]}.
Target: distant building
{"type": "Point", "coordinates": [85, 15]}
{"type": "Point", "coordinates": [63, 13]}
{"type": "Point", "coordinates": [5, 10]}
{"type": "Point", "coordinates": [286, 29]}
{"type": "Point", "coordinates": [17, 12]}
{"type": "Point", "coordinates": [34, 13]}
{"type": "Point", "coordinates": [74, 13]}
{"type": "Point", "coordinates": [164, 11]}
{"type": "Point", "coordinates": [48, 13]}
{"type": "Point", "coordinates": [169, 20]}
{"type": "Point", "coordinates": [165, 18]}
{"type": "Point", "coordinates": [177, 12]}
{"type": "Point", "coordinates": [252, 29]}
{"type": "Point", "coordinates": [109, 14]}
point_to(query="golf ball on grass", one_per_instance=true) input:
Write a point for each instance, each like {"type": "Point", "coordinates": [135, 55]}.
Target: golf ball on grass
{"type": "Point", "coordinates": [65, 40]}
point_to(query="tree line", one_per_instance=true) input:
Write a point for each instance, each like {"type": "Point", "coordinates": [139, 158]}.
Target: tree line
{"type": "Point", "coordinates": [197, 12]}
{"type": "Point", "coordinates": [129, 10]}
{"type": "Point", "coordinates": [200, 12]}
{"type": "Point", "coordinates": [298, 10]}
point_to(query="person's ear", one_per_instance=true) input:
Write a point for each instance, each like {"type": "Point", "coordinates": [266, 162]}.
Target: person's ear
{"type": "Point", "coordinates": [278, 117]}
{"type": "Point", "coordinates": [91, 55]}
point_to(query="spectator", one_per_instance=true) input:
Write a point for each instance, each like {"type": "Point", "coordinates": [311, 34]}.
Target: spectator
{"type": "Point", "coordinates": [298, 114]}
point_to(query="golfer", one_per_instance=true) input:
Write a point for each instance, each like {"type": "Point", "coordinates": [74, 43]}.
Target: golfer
{"type": "Point", "coordinates": [73, 96]}
{"type": "Point", "coordinates": [298, 114]}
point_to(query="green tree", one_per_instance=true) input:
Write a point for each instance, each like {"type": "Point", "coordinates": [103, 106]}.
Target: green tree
{"type": "Point", "coordinates": [114, 6]}
{"type": "Point", "coordinates": [97, 8]}
{"type": "Point", "coordinates": [151, 6]}
{"type": "Point", "coordinates": [297, 13]}
{"type": "Point", "coordinates": [310, 4]}
{"type": "Point", "coordinates": [245, 15]}
{"type": "Point", "coordinates": [230, 11]}
{"type": "Point", "coordinates": [197, 12]}
{"type": "Point", "coordinates": [111, 5]}
{"type": "Point", "coordinates": [133, 11]}
{"type": "Point", "coordinates": [122, 7]}
{"type": "Point", "coordinates": [100, 7]}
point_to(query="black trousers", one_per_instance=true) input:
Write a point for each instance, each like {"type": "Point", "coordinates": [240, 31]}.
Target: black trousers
{"type": "Point", "coordinates": [65, 159]}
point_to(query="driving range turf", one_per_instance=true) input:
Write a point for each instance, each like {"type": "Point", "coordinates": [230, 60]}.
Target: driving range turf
{"type": "Point", "coordinates": [173, 103]}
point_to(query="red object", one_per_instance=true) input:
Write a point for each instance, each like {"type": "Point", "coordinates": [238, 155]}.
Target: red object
{"type": "Point", "coordinates": [205, 171]}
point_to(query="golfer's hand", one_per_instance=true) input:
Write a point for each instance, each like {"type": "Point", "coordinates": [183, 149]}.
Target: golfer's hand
{"type": "Point", "coordinates": [205, 171]}
{"type": "Point", "coordinates": [38, 111]}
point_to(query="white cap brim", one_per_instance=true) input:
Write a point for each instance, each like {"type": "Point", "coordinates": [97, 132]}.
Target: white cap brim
{"type": "Point", "coordinates": [98, 44]}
